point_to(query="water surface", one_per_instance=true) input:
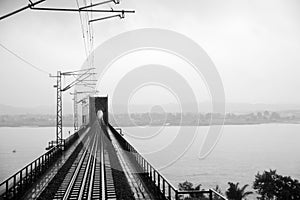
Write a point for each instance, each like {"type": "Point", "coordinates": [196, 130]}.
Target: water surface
{"type": "Point", "coordinates": [241, 152]}
{"type": "Point", "coordinates": [21, 145]}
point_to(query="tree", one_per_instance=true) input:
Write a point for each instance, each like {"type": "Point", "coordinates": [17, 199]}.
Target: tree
{"type": "Point", "coordinates": [185, 186]}
{"type": "Point", "coordinates": [266, 114]}
{"type": "Point", "coordinates": [234, 192]}
{"type": "Point", "coordinates": [275, 115]}
{"type": "Point", "coordinates": [265, 184]}
{"type": "Point", "coordinates": [208, 116]}
{"type": "Point", "coordinates": [270, 185]}
{"type": "Point", "coordinates": [217, 189]}
{"type": "Point", "coordinates": [188, 186]}
{"type": "Point", "coordinates": [259, 115]}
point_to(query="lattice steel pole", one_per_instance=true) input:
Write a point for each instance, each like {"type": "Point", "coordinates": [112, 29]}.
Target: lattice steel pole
{"type": "Point", "coordinates": [75, 112]}
{"type": "Point", "coordinates": [59, 133]}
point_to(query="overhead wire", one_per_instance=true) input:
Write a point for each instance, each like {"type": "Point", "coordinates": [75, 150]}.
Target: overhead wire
{"type": "Point", "coordinates": [93, 53]}
{"type": "Point", "coordinates": [92, 44]}
{"type": "Point", "coordinates": [91, 38]}
{"type": "Point", "coordinates": [25, 61]}
{"type": "Point", "coordinates": [82, 29]}
{"type": "Point", "coordinates": [89, 34]}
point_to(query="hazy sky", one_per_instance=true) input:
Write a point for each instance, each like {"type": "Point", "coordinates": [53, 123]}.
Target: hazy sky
{"type": "Point", "coordinates": [254, 44]}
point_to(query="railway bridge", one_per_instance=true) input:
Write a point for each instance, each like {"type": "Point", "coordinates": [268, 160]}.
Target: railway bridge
{"type": "Point", "coordinates": [96, 162]}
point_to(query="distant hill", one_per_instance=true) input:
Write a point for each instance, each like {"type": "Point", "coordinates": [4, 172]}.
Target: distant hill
{"type": "Point", "coordinates": [247, 107]}
{"type": "Point", "coordinates": [41, 110]}
{"type": "Point", "coordinates": [204, 107]}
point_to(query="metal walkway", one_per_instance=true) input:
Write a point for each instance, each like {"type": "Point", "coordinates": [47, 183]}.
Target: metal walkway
{"type": "Point", "coordinates": [136, 183]}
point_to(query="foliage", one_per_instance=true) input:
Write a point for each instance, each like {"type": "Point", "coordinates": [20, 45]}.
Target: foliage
{"type": "Point", "coordinates": [217, 189]}
{"type": "Point", "coordinates": [234, 192]}
{"type": "Point", "coordinates": [188, 186]}
{"type": "Point", "coordinates": [185, 186]}
{"type": "Point", "coordinates": [271, 185]}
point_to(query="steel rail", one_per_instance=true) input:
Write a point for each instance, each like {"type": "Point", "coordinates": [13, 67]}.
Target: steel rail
{"type": "Point", "coordinates": [90, 188]}
{"type": "Point", "coordinates": [68, 191]}
{"type": "Point", "coordinates": [103, 181]}
{"type": "Point", "coordinates": [86, 171]}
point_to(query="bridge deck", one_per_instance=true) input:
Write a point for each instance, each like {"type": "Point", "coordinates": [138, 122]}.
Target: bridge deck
{"type": "Point", "coordinates": [92, 168]}
{"type": "Point", "coordinates": [136, 183]}
{"type": "Point", "coordinates": [44, 180]}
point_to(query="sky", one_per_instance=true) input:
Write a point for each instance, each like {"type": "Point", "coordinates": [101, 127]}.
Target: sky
{"type": "Point", "coordinates": [254, 45]}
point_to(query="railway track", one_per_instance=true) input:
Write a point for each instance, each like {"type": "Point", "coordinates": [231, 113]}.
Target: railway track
{"type": "Point", "coordinates": [63, 187]}
{"type": "Point", "coordinates": [86, 179]}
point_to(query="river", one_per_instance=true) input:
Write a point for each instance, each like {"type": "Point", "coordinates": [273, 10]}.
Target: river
{"type": "Point", "coordinates": [242, 151]}
{"type": "Point", "coordinates": [21, 145]}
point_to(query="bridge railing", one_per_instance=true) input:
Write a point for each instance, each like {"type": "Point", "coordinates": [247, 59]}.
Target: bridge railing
{"type": "Point", "coordinates": [71, 139]}
{"type": "Point", "coordinates": [16, 185]}
{"type": "Point", "coordinates": [160, 185]}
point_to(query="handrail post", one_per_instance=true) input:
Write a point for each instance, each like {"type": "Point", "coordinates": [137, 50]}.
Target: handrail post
{"type": "Point", "coordinates": [169, 191]}
{"type": "Point", "coordinates": [26, 173]}
{"type": "Point", "coordinates": [35, 169]}
{"type": "Point", "coordinates": [46, 160]}
{"type": "Point", "coordinates": [6, 190]}
{"type": "Point", "coordinates": [147, 166]}
{"type": "Point", "coordinates": [21, 181]}
{"type": "Point", "coordinates": [30, 173]}
{"type": "Point", "coordinates": [14, 186]}
{"type": "Point", "coordinates": [158, 181]}
{"type": "Point", "coordinates": [176, 195]}
{"type": "Point", "coordinates": [164, 189]}
{"type": "Point", "coordinates": [39, 165]}
{"type": "Point", "coordinates": [43, 162]}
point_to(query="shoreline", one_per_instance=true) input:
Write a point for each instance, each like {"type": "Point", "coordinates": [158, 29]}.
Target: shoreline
{"type": "Point", "coordinates": [154, 125]}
